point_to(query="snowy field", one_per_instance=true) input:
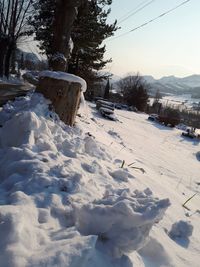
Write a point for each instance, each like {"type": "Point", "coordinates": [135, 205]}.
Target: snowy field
{"type": "Point", "coordinates": [103, 194]}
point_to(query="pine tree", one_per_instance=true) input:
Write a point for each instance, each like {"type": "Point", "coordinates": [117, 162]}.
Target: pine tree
{"type": "Point", "coordinates": [42, 23]}
{"type": "Point", "coordinates": [89, 31]}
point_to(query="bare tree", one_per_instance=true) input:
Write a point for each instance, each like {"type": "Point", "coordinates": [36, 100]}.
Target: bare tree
{"type": "Point", "coordinates": [13, 25]}
{"type": "Point", "coordinates": [157, 105]}
{"type": "Point", "coordinates": [135, 91]}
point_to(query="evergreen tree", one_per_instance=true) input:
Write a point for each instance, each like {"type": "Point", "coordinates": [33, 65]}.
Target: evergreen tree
{"type": "Point", "coordinates": [42, 23]}
{"type": "Point", "coordinates": [89, 31]}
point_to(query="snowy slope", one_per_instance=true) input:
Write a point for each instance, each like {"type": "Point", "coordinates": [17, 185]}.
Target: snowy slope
{"type": "Point", "coordinates": [66, 201]}
{"type": "Point", "coordinates": [172, 170]}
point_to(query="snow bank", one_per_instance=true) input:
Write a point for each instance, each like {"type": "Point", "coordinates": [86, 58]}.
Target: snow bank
{"type": "Point", "coordinates": [59, 75]}
{"type": "Point", "coordinates": [121, 220]}
{"type": "Point", "coordinates": [50, 175]}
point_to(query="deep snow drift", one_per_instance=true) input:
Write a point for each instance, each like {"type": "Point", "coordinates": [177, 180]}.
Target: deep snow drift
{"type": "Point", "coordinates": [66, 201]}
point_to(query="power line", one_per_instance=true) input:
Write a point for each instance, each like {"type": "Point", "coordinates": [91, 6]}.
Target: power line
{"type": "Point", "coordinates": [132, 10]}
{"type": "Point", "coordinates": [150, 21]}
{"type": "Point", "coordinates": [136, 11]}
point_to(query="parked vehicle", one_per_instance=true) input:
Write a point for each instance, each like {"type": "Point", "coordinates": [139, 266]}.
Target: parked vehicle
{"type": "Point", "coordinates": [108, 113]}
{"type": "Point", "coordinates": [153, 117]}
{"type": "Point", "coordinates": [190, 133]}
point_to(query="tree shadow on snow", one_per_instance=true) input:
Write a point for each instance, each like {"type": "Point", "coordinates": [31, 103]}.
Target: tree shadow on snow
{"type": "Point", "coordinates": [154, 254]}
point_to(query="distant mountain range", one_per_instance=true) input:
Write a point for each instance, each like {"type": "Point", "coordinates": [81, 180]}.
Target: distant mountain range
{"type": "Point", "coordinates": [174, 85]}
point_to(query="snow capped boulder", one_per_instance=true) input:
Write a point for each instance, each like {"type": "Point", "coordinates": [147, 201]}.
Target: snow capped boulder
{"type": "Point", "coordinates": [122, 220]}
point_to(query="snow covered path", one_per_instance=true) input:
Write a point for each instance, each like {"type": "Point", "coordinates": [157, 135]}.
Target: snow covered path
{"type": "Point", "coordinates": [171, 170]}
{"type": "Point", "coordinates": [66, 201]}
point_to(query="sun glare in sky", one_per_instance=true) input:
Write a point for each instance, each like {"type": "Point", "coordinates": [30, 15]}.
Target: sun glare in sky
{"type": "Point", "coordinates": [169, 45]}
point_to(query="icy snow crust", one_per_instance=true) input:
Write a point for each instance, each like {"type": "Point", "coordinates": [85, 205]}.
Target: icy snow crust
{"type": "Point", "coordinates": [59, 75]}
{"type": "Point", "coordinates": [62, 201]}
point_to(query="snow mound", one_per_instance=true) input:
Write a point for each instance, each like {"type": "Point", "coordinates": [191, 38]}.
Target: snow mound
{"type": "Point", "coordinates": [93, 149]}
{"type": "Point", "coordinates": [181, 229]}
{"type": "Point", "coordinates": [18, 130]}
{"type": "Point", "coordinates": [122, 220]}
{"type": "Point", "coordinates": [121, 175]}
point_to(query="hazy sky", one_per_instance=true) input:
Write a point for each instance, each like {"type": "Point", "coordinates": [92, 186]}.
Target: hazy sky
{"type": "Point", "coordinates": [168, 46]}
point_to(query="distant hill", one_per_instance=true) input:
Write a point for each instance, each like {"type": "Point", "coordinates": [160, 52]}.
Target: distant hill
{"type": "Point", "coordinates": [170, 85]}
{"type": "Point", "coordinates": [174, 85]}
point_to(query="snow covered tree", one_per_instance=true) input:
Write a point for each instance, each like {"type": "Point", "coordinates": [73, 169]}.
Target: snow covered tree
{"type": "Point", "coordinates": [135, 91]}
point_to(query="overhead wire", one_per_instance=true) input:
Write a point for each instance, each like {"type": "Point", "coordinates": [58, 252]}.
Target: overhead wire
{"type": "Point", "coordinates": [132, 10]}
{"type": "Point", "coordinates": [150, 21]}
{"type": "Point", "coordinates": [136, 11]}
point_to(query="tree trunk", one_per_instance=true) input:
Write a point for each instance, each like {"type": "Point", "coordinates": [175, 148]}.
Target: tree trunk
{"type": "Point", "coordinates": [13, 61]}
{"type": "Point", "coordinates": [7, 62]}
{"type": "Point", "coordinates": [64, 19]}
{"type": "Point", "coordinates": [3, 46]}
{"type": "Point", "coordinates": [11, 48]}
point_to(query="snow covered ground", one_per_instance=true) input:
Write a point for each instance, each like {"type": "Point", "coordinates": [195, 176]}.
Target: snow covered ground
{"type": "Point", "coordinates": [101, 194]}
